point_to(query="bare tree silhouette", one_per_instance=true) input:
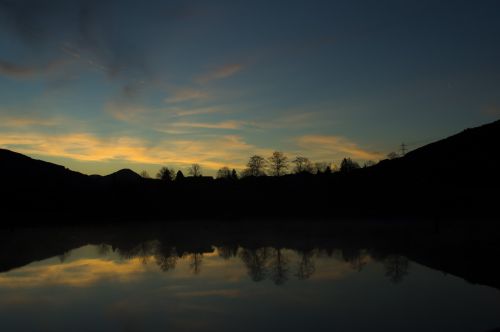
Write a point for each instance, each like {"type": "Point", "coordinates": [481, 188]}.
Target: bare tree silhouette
{"type": "Point", "coordinates": [195, 170]}
{"type": "Point", "coordinates": [224, 173]}
{"type": "Point", "coordinates": [348, 165]}
{"type": "Point", "coordinates": [165, 174]}
{"type": "Point", "coordinates": [255, 166]}
{"type": "Point", "coordinates": [278, 163]}
{"type": "Point", "coordinates": [303, 165]}
{"type": "Point", "coordinates": [369, 163]}
{"type": "Point", "coordinates": [321, 167]}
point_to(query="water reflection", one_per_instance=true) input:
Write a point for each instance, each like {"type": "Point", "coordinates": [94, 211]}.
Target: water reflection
{"type": "Point", "coordinates": [91, 264]}
{"type": "Point", "coordinates": [275, 264]}
{"type": "Point", "coordinates": [149, 278]}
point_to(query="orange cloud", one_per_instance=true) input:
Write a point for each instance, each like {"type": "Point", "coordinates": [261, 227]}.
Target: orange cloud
{"type": "Point", "coordinates": [230, 124]}
{"type": "Point", "coordinates": [329, 147]}
{"type": "Point", "coordinates": [80, 273]}
{"type": "Point", "coordinates": [186, 94]}
{"type": "Point", "coordinates": [198, 111]}
{"type": "Point", "coordinates": [126, 112]}
{"type": "Point", "coordinates": [21, 122]}
{"type": "Point", "coordinates": [220, 73]}
{"type": "Point", "coordinates": [212, 152]}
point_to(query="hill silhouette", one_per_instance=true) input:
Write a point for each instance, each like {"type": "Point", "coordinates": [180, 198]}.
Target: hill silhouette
{"type": "Point", "coordinates": [455, 176]}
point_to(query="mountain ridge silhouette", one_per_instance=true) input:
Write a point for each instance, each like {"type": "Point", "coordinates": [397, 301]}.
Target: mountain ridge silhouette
{"type": "Point", "coordinates": [454, 176]}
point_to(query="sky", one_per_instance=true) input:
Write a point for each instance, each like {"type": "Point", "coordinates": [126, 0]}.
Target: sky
{"type": "Point", "coordinates": [102, 85]}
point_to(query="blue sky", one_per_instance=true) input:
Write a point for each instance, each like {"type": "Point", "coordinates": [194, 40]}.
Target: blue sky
{"type": "Point", "coordinates": [102, 85]}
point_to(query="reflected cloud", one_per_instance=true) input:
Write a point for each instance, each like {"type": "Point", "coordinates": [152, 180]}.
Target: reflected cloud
{"type": "Point", "coordinates": [79, 273]}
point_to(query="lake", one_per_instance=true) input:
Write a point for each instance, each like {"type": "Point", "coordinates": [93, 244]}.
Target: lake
{"type": "Point", "coordinates": [247, 277]}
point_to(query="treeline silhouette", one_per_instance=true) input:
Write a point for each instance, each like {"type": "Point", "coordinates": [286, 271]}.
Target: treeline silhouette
{"type": "Point", "coordinates": [276, 165]}
{"type": "Point", "coordinates": [457, 176]}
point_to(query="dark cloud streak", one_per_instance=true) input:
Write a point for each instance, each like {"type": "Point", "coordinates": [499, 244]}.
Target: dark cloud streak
{"type": "Point", "coordinates": [98, 31]}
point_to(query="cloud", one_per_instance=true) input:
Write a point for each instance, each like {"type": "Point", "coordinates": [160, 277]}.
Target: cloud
{"type": "Point", "coordinates": [14, 70]}
{"type": "Point", "coordinates": [80, 273]}
{"type": "Point", "coordinates": [126, 112]}
{"type": "Point", "coordinates": [230, 124]}
{"type": "Point", "coordinates": [162, 119]}
{"type": "Point", "coordinates": [87, 31]}
{"type": "Point", "coordinates": [198, 111]}
{"type": "Point", "coordinates": [290, 120]}
{"type": "Point", "coordinates": [222, 72]}
{"type": "Point", "coordinates": [322, 147]}
{"type": "Point", "coordinates": [22, 122]}
{"type": "Point", "coordinates": [186, 94]}
{"type": "Point", "coordinates": [211, 152]}
{"type": "Point", "coordinates": [492, 110]}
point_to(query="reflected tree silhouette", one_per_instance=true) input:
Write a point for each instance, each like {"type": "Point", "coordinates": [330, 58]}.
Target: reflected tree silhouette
{"type": "Point", "coordinates": [261, 263]}
{"type": "Point", "coordinates": [278, 267]}
{"type": "Point", "coordinates": [306, 265]}
{"type": "Point", "coordinates": [143, 251]}
{"type": "Point", "coordinates": [196, 259]}
{"type": "Point", "coordinates": [227, 251]}
{"type": "Point", "coordinates": [166, 258]}
{"type": "Point", "coordinates": [103, 249]}
{"type": "Point", "coordinates": [355, 257]}
{"type": "Point", "coordinates": [256, 262]}
{"type": "Point", "coordinates": [396, 267]}
{"type": "Point", "coordinates": [64, 256]}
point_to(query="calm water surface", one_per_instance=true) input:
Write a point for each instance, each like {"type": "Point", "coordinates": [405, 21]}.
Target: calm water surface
{"type": "Point", "coordinates": [148, 285]}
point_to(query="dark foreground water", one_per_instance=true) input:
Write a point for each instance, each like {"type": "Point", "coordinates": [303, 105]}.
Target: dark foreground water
{"type": "Point", "coordinates": [314, 280]}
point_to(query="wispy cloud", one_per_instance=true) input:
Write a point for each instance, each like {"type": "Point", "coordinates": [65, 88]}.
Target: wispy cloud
{"type": "Point", "coordinates": [126, 112]}
{"type": "Point", "coordinates": [186, 94]}
{"type": "Point", "coordinates": [230, 124]}
{"type": "Point", "coordinates": [198, 111]}
{"type": "Point", "coordinates": [222, 72]}
{"type": "Point", "coordinates": [166, 118]}
{"type": "Point", "coordinates": [23, 122]}
{"type": "Point", "coordinates": [324, 147]}
{"type": "Point", "coordinates": [292, 120]}
{"type": "Point", "coordinates": [20, 71]}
